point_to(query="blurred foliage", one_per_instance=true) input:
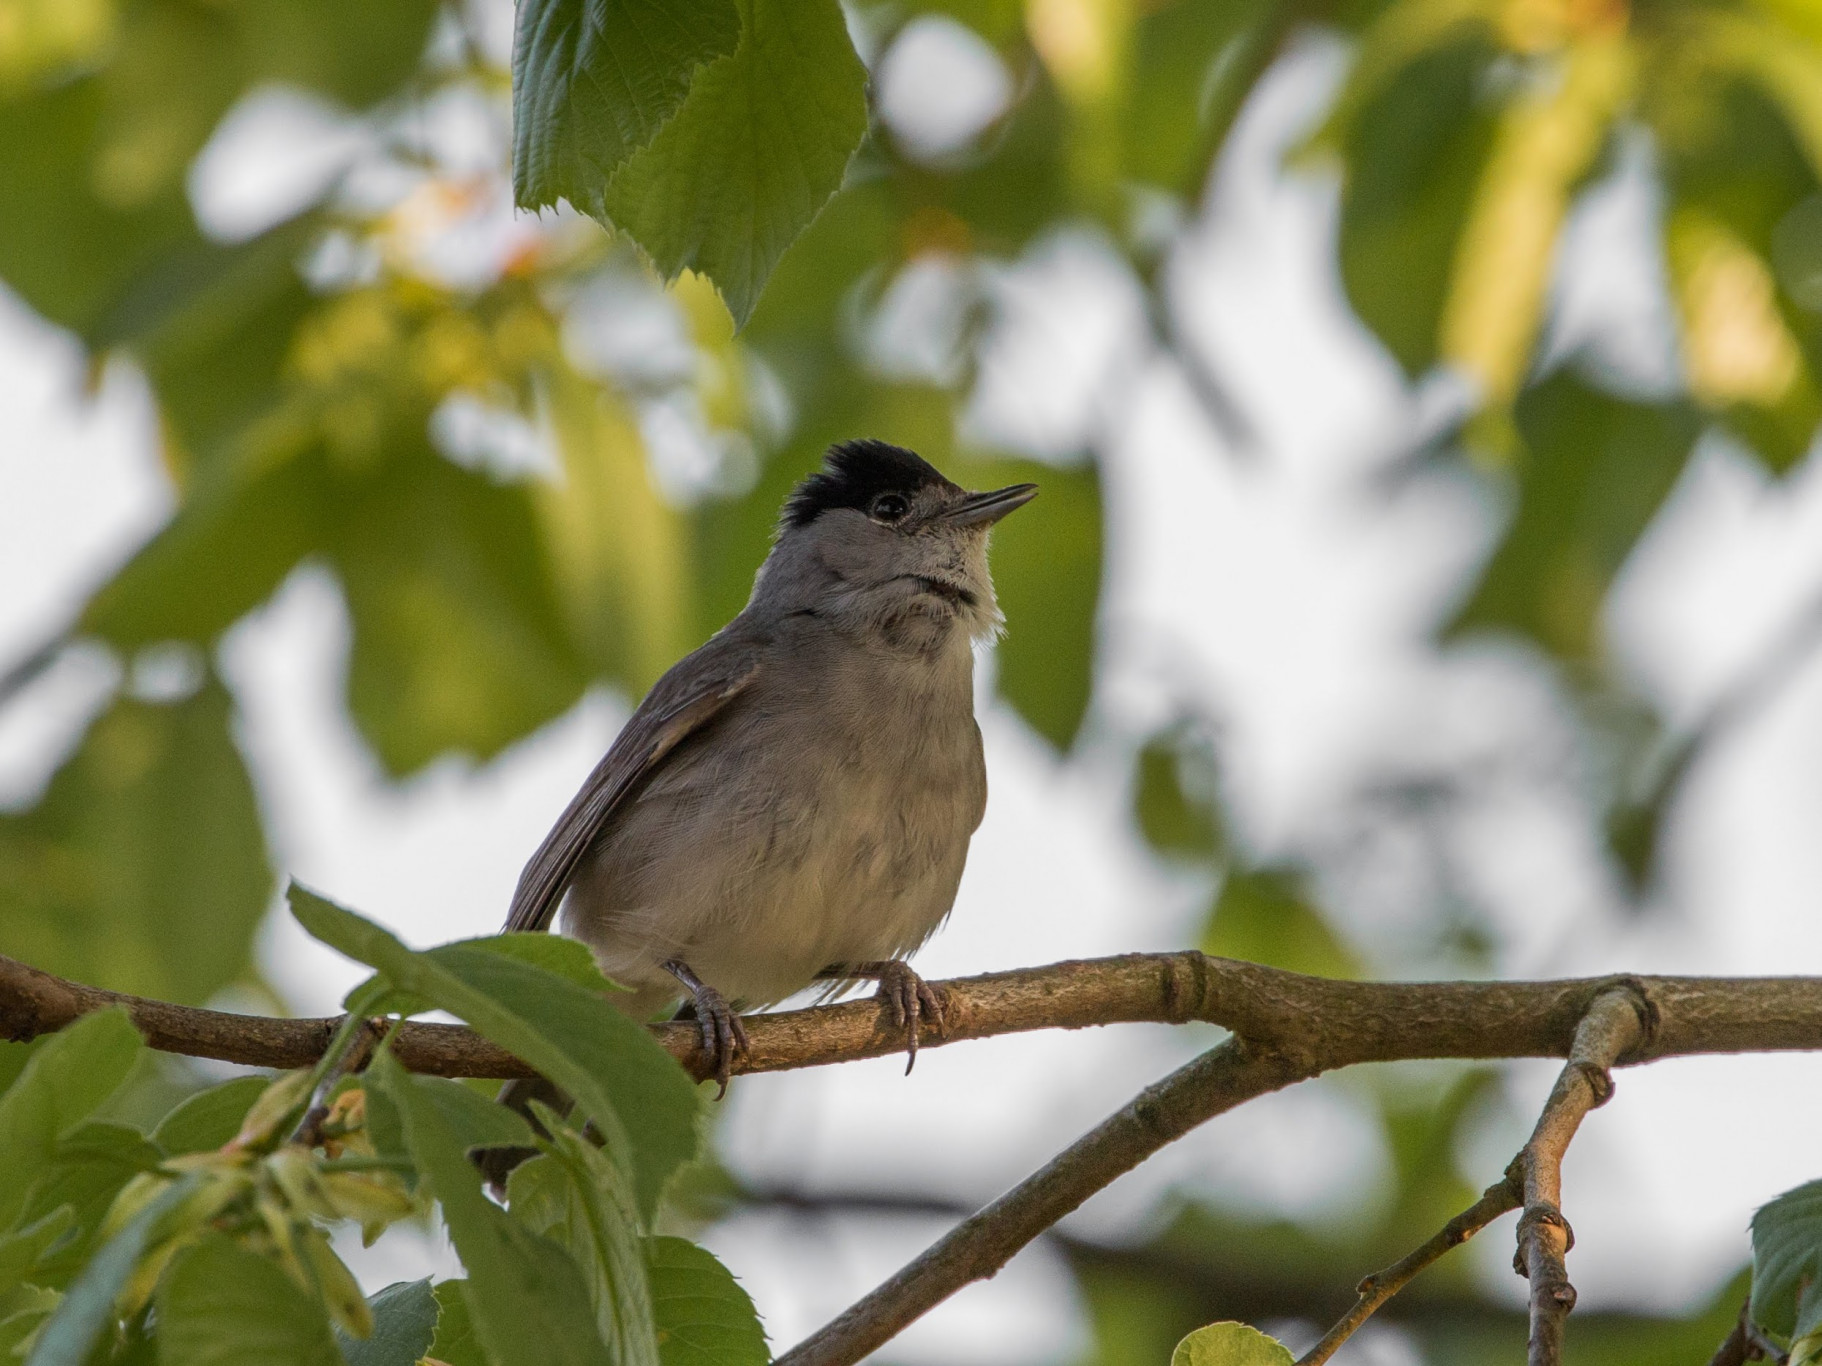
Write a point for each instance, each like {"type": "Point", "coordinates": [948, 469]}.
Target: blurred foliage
{"type": "Point", "coordinates": [205, 1240]}
{"type": "Point", "coordinates": [331, 392]}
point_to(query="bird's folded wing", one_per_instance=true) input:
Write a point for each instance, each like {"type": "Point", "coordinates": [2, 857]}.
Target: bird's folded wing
{"type": "Point", "coordinates": [681, 702]}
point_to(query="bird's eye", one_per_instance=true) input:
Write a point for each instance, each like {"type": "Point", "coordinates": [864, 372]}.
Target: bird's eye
{"type": "Point", "coordinates": [889, 507]}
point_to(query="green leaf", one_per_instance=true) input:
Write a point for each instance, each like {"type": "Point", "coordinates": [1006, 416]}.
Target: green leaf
{"type": "Point", "coordinates": [458, 641]}
{"type": "Point", "coordinates": [1266, 916]}
{"type": "Point", "coordinates": [527, 1298]}
{"type": "Point", "coordinates": [1413, 155]}
{"type": "Point", "coordinates": [704, 1317]}
{"type": "Point", "coordinates": [455, 1343]}
{"type": "Point", "coordinates": [554, 953]}
{"type": "Point", "coordinates": [1787, 1262]}
{"type": "Point", "coordinates": [144, 867]}
{"type": "Point", "coordinates": [66, 1081]}
{"type": "Point", "coordinates": [223, 1305]}
{"type": "Point", "coordinates": [476, 1121]}
{"type": "Point", "coordinates": [87, 1310]}
{"type": "Point", "coordinates": [404, 1323]}
{"type": "Point", "coordinates": [1174, 796]}
{"type": "Point", "coordinates": [580, 1198]}
{"type": "Point", "coordinates": [89, 1168]}
{"type": "Point", "coordinates": [594, 80]}
{"type": "Point", "coordinates": [1595, 468]}
{"type": "Point", "coordinates": [1046, 563]}
{"type": "Point", "coordinates": [608, 1063]}
{"type": "Point", "coordinates": [1230, 1344]}
{"type": "Point", "coordinates": [756, 150]}
{"type": "Point", "coordinates": [208, 1119]}
{"type": "Point", "coordinates": [1179, 108]}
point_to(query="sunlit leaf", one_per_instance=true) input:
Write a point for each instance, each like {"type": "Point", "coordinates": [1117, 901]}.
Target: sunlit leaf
{"type": "Point", "coordinates": [1230, 1344]}
{"type": "Point", "coordinates": [1547, 141]}
{"type": "Point", "coordinates": [524, 1293]}
{"type": "Point", "coordinates": [144, 867]}
{"type": "Point", "coordinates": [704, 1317]}
{"type": "Point", "coordinates": [1266, 916]}
{"type": "Point", "coordinates": [756, 150]}
{"type": "Point", "coordinates": [594, 80]}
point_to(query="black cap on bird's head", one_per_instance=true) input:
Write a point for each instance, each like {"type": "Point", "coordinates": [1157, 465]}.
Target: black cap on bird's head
{"type": "Point", "coordinates": [881, 481]}
{"type": "Point", "coordinates": [855, 473]}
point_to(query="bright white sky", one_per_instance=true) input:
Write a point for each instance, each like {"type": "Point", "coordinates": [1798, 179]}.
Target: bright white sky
{"type": "Point", "coordinates": [1280, 588]}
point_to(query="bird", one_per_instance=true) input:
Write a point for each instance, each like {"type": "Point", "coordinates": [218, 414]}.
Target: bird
{"type": "Point", "coordinates": [792, 803]}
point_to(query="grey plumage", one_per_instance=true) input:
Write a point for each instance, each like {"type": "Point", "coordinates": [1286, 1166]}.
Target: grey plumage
{"type": "Point", "coordinates": [799, 793]}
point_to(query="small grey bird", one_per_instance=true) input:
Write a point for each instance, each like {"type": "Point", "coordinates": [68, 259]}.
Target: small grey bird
{"type": "Point", "coordinates": [794, 800]}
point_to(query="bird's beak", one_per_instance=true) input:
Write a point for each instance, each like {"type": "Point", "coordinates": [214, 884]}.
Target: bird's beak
{"type": "Point", "coordinates": [987, 508]}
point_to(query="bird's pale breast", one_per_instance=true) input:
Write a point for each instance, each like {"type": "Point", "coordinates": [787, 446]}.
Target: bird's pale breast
{"type": "Point", "coordinates": [823, 819]}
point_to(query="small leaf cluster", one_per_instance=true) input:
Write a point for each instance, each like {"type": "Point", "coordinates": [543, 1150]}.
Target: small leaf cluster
{"type": "Point", "coordinates": [209, 1239]}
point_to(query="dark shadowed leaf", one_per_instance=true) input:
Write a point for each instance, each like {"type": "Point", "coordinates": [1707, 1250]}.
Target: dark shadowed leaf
{"type": "Point", "coordinates": [1413, 151]}
{"type": "Point", "coordinates": [1594, 469]}
{"type": "Point", "coordinates": [1266, 916]}
{"type": "Point", "coordinates": [144, 867]}
{"type": "Point", "coordinates": [1787, 1262]}
{"type": "Point", "coordinates": [704, 1317]}
{"type": "Point", "coordinates": [1046, 563]}
{"type": "Point", "coordinates": [223, 1305]}
{"type": "Point", "coordinates": [476, 1121]}
{"type": "Point", "coordinates": [594, 80]}
{"type": "Point", "coordinates": [525, 1295]}
{"type": "Point", "coordinates": [209, 1118]}
{"type": "Point", "coordinates": [755, 152]}
{"type": "Point", "coordinates": [404, 1323]}
{"type": "Point", "coordinates": [570, 1034]}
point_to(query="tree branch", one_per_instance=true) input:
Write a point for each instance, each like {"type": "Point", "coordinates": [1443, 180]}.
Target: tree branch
{"type": "Point", "coordinates": [1617, 1021]}
{"type": "Point", "coordinates": [1336, 1024]}
{"type": "Point", "coordinates": [980, 1245]}
{"type": "Point", "coordinates": [1501, 1197]}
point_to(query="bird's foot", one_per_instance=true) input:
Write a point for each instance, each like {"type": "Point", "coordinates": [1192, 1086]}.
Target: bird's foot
{"type": "Point", "coordinates": [912, 1001]}
{"type": "Point", "coordinates": [723, 1036]}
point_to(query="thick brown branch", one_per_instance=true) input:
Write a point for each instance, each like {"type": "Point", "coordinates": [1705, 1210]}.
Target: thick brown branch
{"type": "Point", "coordinates": [1339, 1023]}
{"type": "Point", "coordinates": [1376, 1289]}
{"type": "Point", "coordinates": [984, 1242]}
{"type": "Point", "coordinates": [1617, 1021]}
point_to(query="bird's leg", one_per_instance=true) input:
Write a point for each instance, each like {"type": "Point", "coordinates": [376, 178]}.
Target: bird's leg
{"type": "Point", "coordinates": [723, 1036]}
{"type": "Point", "coordinates": [909, 997]}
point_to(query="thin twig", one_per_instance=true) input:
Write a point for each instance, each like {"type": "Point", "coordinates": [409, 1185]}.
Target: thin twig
{"type": "Point", "coordinates": [980, 1245]}
{"type": "Point", "coordinates": [1500, 1198]}
{"type": "Point", "coordinates": [1617, 1021]}
{"type": "Point", "coordinates": [353, 1058]}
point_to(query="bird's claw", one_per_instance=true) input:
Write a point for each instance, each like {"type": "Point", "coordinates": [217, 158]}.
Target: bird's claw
{"type": "Point", "coordinates": [724, 1037]}
{"type": "Point", "coordinates": [912, 1001]}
